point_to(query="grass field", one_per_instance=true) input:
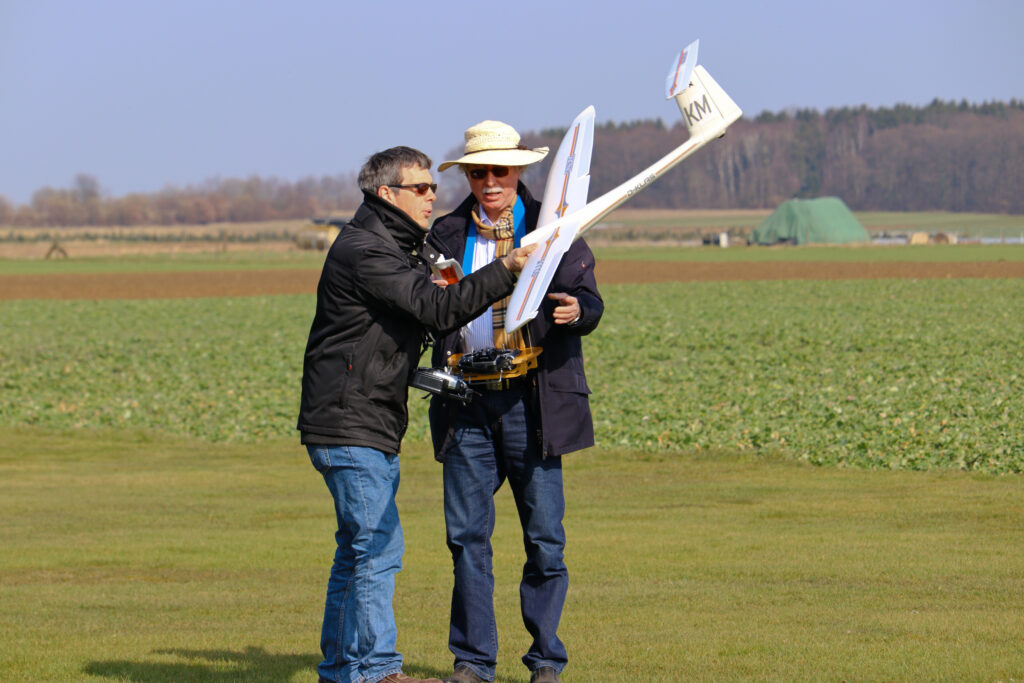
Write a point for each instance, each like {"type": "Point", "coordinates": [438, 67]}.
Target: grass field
{"type": "Point", "coordinates": [134, 556]}
{"type": "Point", "coordinates": [163, 524]}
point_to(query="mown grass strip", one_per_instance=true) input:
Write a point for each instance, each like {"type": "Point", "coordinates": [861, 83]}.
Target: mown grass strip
{"type": "Point", "coordinates": [948, 253]}
{"type": "Point", "coordinates": [963, 224]}
{"type": "Point", "coordinates": [968, 253]}
{"type": "Point", "coordinates": [160, 558]}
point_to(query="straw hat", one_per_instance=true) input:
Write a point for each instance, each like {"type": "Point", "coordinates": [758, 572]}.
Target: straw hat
{"type": "Point", "coordinates": [495, 143]}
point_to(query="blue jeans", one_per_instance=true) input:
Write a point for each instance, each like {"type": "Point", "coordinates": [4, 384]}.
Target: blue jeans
{"type": "Point", "coordinates": [359, 632]}
{"type": "Point", "coordinates": [495, 439]}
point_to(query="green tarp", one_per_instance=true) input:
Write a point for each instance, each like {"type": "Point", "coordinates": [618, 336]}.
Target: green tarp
{"type": "Point", "coordinates": [825, 220]}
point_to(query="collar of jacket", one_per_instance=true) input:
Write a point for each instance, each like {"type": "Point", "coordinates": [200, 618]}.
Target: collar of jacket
{"type": "Point", "coordinates": [449, 236]}
{"type": "Point", "coordinates": [469, 202]}
{"type": "Point", "coordinates": [407, 233]}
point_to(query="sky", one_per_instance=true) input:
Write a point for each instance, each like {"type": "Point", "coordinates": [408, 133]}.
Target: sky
{"type": "Point", "coordinates": [144, 95]}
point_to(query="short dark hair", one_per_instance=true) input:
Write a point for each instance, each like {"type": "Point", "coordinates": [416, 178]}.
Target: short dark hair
{"type": "Point", "coordinates": [385, 168]}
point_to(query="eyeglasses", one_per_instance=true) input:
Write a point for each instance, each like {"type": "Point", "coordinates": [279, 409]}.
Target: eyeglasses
{"type": "Point", "coordinates": [481, 173]}
{"type": "Point", "coordinates": [418, 188]}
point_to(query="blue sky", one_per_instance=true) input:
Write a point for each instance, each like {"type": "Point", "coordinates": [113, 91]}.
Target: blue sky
{"type": "Point", "coordinates": [146, 94]}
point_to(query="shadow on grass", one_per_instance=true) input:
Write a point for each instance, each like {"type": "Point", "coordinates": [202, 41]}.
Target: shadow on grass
{"type": "Point", "coordinates": [252, 664]}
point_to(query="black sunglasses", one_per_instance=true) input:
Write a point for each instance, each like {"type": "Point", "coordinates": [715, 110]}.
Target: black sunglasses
{"type": "Point", "coordinates": [481, 173]}
{"type": "Point", "coordinates": [418, 188]}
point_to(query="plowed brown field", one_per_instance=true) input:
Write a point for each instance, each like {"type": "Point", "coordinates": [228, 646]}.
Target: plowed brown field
{"type": "Point", "coordinates": [260, 282]}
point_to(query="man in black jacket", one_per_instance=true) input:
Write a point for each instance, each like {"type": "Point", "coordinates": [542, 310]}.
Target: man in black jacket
{"type": "Point", "coordinates": [375, 303]}
{"type": "Point", "coordinates": [516, 429]}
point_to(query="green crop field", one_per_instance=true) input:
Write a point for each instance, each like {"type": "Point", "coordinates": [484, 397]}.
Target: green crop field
{"type": "Point", "coordinates": [880, 373]}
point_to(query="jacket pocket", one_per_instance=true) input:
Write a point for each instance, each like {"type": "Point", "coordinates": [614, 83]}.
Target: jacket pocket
{"type": "Point", "coordinates": [344, 379]}
{"type": "Point", "coordinates": [568, 381]}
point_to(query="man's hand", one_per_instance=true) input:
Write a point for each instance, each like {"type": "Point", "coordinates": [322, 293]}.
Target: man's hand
{"type": "Point", "coordinates": [568, 308]}
{"type": "Point", "coordinates": [516, 259]}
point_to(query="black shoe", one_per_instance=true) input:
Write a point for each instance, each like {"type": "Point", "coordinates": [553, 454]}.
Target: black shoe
{"type": "Point", "coordinates": [463, 674]}
{"type": "Point", "coordinates": [545, 674]}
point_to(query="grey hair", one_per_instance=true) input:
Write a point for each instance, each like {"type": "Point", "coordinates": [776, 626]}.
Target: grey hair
{"type": "Point", "coordinates": [385, 168]}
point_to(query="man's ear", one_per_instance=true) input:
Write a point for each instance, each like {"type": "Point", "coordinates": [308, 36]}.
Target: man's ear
{"type": "Point", "coordinates": [385, 193]}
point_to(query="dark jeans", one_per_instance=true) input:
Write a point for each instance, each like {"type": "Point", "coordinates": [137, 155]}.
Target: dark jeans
{"type": "Point", "coordinates": [495, 439]}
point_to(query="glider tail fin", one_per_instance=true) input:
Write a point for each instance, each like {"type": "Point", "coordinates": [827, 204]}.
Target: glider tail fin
{"type": "Point", "coordinates": [704, 105]}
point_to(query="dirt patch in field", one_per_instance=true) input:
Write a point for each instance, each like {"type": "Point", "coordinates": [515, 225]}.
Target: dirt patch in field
{"type": "Point", "coordinates": [114, 248]}
{"type": "Point", "coordinates": [268, 282]}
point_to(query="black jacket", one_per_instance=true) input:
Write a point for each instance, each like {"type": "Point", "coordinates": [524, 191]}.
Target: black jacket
{"type": "Point", "coordinates": [374, 304]}
{"type": "Point", "coordinates": [559, 391]}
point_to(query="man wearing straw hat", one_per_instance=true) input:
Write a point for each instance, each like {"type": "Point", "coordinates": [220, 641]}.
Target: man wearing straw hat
{"type": "Point", "coordinates": [515, 429]}
{"type": "Point", "coordinates": [374, 306]}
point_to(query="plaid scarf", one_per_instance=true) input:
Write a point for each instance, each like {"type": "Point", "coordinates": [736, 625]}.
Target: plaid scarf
{"type": "Point", "coordinates": [502, 233]}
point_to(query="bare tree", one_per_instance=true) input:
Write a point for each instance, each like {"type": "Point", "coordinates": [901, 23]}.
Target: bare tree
{"type": "Point", "coordinates": [6, 211]}
{"type": "Point", "coordinates": [86, 187]}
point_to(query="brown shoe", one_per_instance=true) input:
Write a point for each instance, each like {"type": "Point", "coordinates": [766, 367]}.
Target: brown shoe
{"type": "Point", "coordinates": [545, 674]}
{"type": "Point", "coordinates": [402, 678]}
{"type": "Point", "coordinates": [463, 674]}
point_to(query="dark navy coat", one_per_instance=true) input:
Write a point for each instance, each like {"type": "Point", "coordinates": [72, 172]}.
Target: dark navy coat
{"type": "Point", "coordinates": [559, 394]}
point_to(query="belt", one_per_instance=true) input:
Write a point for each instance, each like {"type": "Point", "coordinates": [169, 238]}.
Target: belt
{"type": "Point", "coordinates": [500, 384]}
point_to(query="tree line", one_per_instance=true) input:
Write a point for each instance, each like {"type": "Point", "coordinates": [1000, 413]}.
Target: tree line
{"type": "Point", "coordinates": [941, 157]}
{"type": "Point", "coordinates": [945, 156]}
{"type": "Point", "coordinates": [230, 200]}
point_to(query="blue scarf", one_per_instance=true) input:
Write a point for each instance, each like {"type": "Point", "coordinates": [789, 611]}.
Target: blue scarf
{"type": "Point", "coordinates": [519, 230]}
